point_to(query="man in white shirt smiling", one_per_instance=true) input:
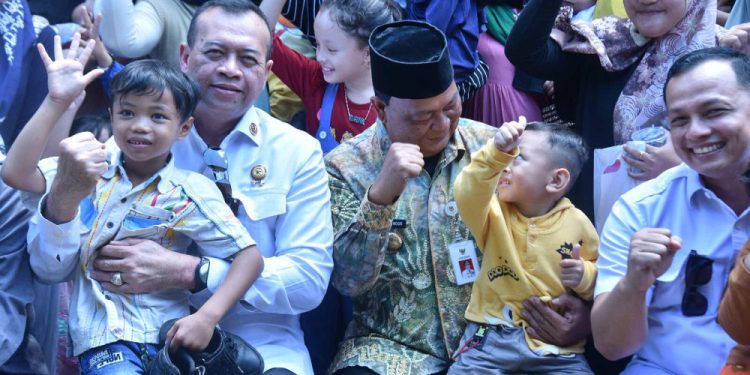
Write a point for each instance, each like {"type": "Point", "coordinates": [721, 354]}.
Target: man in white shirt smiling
{"type": "Point", "coordinates": [667, 247]}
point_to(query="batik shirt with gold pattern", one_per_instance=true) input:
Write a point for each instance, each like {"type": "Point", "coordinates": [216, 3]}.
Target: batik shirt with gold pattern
{"type": "Point", "coordinates": [394, 260]}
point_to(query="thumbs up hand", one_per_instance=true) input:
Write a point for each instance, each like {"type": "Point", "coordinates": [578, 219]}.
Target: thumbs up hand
{"type": "Point", "coordinates": [507, 136]}
{"type": "Point", "coordinates": [572, 269]}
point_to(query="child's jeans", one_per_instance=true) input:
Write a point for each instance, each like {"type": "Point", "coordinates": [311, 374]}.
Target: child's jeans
{"type": "Point", "coordinates": [117, 358]}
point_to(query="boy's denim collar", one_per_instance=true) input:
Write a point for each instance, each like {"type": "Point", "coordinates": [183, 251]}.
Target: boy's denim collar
{"type": "Point", "coordinates": [165, 174]}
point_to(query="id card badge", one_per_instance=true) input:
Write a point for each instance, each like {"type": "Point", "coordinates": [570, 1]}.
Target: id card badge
{"type": "Point", "coordinates": [464, 261]}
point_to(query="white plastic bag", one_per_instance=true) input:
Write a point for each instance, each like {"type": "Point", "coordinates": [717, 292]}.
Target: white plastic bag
{"type": "Point", "coordinates": [611, 180]}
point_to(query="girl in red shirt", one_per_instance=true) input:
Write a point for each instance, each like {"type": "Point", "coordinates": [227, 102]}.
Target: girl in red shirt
{"type": "Point", "coordinates": [336, 87]}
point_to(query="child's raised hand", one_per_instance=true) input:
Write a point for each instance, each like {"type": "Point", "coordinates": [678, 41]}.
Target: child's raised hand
{"type": "Point", "coordinates": [506, 138]}
{"type": "Point", "coordinates": [192, 332]}
{"type": "Point", "coordinates": [91, 26]}
{"type": "Point", "coordinates": [65, 78]}
{"type": "Point", "coordinates": [91, 32]}
{"type": "Point", "coordinates": [572, 269]}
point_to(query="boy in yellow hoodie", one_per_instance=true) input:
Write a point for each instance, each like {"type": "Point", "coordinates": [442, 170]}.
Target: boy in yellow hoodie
{"type": "Point", "coordinates": [535, 243]}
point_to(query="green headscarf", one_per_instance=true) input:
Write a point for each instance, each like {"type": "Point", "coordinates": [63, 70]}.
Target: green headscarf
{"type": "Point", "coordinates": [500, 20]}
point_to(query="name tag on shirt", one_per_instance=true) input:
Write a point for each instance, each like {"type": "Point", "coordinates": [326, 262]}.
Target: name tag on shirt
{"type": "Point", "coordinates": [399, 224]}
{"type": "Point", "coordinates": [464, 261]}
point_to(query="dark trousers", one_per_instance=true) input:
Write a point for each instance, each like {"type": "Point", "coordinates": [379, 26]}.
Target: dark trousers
{"type": "Point", "coordinates": [324, 328]}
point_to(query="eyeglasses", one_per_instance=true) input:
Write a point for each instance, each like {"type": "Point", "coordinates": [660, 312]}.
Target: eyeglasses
{"type": "Point", "coordinates": [216, 160]}
{"type": "Point", "coordinates": [697, 273]}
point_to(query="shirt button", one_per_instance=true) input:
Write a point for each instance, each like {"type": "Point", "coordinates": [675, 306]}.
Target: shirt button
{"type": "Point", "coordinates": [110, 225]}
{"type": "Point", "coordinates": [532, 238]}
{"type": "Point", "coordinates": [117, 331]}
{"type": "Point", "coordinates": [123, 200]}
{"type": "Point", "coordinates": [532, 225]}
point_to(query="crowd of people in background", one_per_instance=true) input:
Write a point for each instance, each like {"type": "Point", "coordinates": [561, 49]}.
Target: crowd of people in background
{"type": "Point", "coordinates": [374, 186]}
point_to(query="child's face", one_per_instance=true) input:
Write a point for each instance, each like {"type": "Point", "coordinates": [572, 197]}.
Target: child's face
{"type": "Point", "coordinates": [340, 56]}
{"type": "Point", "coordinates": [524, 181]}
{"type": "Point", "coordinates": [145, 127]}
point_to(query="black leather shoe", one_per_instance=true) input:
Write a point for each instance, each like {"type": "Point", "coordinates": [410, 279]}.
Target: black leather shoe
{"type": "Point", "coordinates": [229, 354]}
{"type": "Point", "coordinates": [226, 354]}
{"type": "Point", "coordinates": [166, 363]}
{"type": "Point", "coordinates": [179, 363]}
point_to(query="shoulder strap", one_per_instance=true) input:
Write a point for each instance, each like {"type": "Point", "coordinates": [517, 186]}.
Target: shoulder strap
{"type": "Point", "coordinates": [324, 135]}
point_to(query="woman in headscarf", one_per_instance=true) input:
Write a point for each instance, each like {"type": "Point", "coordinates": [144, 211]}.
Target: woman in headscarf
{"type": "Point", "coordinates": [153, 28]}
{"type": "Point", "coordinates": [609, 74]}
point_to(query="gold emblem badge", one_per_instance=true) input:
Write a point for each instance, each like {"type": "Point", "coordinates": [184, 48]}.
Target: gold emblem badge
{"type": "Point", "coordinates": [258, 173]}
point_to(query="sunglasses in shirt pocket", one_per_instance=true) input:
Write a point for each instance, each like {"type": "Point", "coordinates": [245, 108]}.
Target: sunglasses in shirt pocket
{"type": "Point", "coordinates": [146, 222]}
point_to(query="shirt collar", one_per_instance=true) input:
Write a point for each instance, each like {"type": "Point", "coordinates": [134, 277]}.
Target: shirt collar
{"type": "Point", "coordinates": [250, 126]}
{"type": "Point", "coordinates": [694, 185]}
{"type": "Point", "coordinates": [457, 146]}
{"type": "Point", "coordinates": [165, 174]}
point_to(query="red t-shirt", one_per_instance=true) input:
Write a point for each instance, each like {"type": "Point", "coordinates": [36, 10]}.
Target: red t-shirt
{"type": "Point", "coordinates": [305, 77]}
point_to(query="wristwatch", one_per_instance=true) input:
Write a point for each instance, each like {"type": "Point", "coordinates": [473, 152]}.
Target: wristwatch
{"type": "Point", "coordinates": [201, 275]}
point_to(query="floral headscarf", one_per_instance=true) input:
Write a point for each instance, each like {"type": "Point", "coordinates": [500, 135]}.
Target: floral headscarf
{"type": "Point", "coordinates": [619, 45]}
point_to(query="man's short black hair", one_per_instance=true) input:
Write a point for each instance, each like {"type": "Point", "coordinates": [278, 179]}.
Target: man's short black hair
{"type": "Point", "coordinates": [567, 149]}
{"type": "Point", "coordinates": [153, 77]}
{"type": "Point", "coordinates": [739, 62]}
{"type": "Point", "coordinates": [235, 7]}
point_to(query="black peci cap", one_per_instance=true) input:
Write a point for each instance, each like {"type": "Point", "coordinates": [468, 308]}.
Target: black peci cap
{"type": "Point", "coordinates": [409, 60]}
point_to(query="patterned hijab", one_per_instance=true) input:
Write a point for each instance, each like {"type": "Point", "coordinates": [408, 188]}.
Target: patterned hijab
{"type": "Point", "coordinates": [641, 100]}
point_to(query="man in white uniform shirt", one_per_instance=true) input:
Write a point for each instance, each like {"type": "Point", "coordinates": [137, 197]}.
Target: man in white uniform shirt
{"type": "Point", "coordinates": [667, 248]}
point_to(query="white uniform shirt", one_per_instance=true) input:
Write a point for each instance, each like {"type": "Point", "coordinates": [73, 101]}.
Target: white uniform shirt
{"type": "Point", "coordinates": [289, 217]}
